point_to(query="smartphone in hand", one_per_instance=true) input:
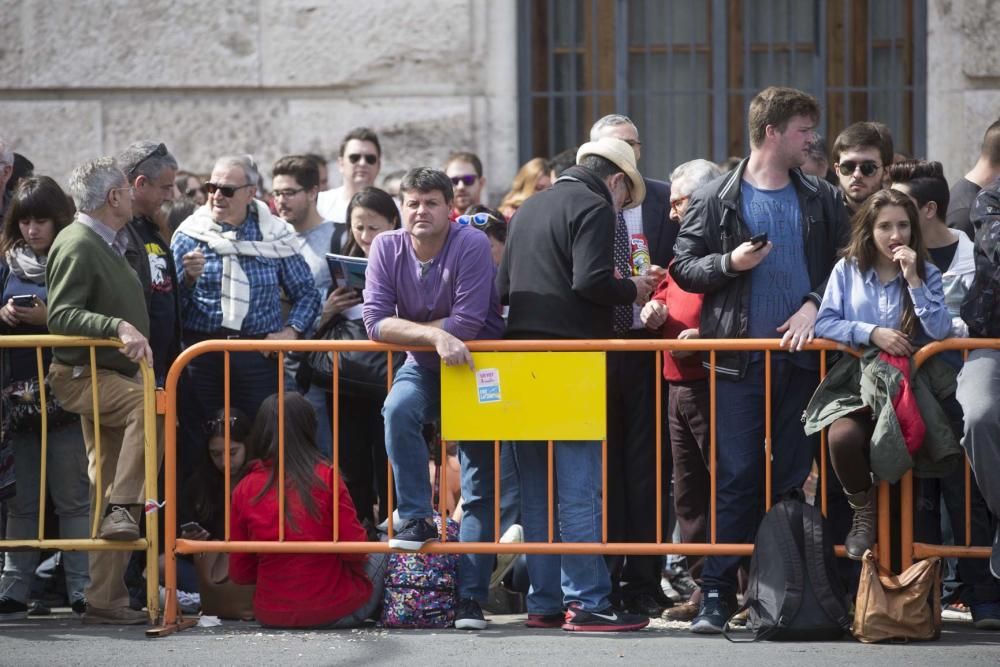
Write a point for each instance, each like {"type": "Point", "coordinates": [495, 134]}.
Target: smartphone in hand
{"type": "Point", "coordinates": [24, 300]}
{"type": "Point", "coordinates": [759, 240]}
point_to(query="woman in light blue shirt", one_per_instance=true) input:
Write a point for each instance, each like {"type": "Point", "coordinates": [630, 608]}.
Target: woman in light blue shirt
{"type": "Point", "coordinates": [883, 293]}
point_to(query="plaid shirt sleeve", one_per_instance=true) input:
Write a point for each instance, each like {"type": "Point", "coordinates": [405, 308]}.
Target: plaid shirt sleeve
{"type": "Point", "coordinates": [297, 281]}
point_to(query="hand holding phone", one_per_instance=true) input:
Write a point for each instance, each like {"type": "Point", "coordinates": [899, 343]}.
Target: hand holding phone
{"type": "Point", "coordinates": [24, 300]}
{"type": "Point", "coordinates": [759, 240]}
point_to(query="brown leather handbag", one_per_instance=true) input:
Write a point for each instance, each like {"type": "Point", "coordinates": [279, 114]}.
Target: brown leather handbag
{"type": "Point", "coordinates": [905, 607]}
{"type": "Point", "coordinates": [219, 595]}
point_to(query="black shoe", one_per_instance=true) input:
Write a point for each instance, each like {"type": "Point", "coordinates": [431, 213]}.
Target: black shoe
{"type": "Point", "coordinates": [646, 604]}
{"type": "Point", "coordinates": [38, 608]}
{"type": "Point", "coordinates": [468, 615]}
{"type": "Point", "coordinates": [414, 534]}
{"type": "Point", "coordinates": [12, 610]}
{"type": "Point", "coordinates": [714, 612]}
{"type": "Point", "coordinates": [606, 620]}
{"type": "Point", "coordinates": [79, 606]}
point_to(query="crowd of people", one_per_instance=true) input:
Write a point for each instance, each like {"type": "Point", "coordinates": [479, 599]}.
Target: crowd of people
{"type": "Point", "coordinates": [861, 246]}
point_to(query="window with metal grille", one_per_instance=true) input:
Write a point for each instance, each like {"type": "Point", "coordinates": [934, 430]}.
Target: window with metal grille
{"type": "Point", "coordinates": [686, 70]}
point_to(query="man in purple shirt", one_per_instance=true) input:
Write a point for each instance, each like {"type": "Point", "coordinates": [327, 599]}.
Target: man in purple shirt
{"type": "Point", "coordinates": [431, 284]}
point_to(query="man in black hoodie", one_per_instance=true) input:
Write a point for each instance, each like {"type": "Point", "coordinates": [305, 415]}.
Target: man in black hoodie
{"type": "Point", "coordinates": [558, 276]}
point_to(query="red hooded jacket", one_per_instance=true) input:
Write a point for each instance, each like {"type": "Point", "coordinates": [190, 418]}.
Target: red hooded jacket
{"type": "Point", "coordinates": [297, 590]}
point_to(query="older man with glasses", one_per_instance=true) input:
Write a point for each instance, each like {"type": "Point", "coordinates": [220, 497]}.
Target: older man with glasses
{"type": "Point", "coordinates": [233, 259]}
{"type": "Point", "coordinates": [93, 292]}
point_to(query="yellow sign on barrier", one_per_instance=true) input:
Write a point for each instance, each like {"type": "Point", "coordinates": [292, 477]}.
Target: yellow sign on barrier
{"type": "Point", "coordinates": [525, 396]}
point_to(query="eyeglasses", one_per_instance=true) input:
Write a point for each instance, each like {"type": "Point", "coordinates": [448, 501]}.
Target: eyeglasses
{"type": "Point", "coordinates": [632, 142]}
{"type": "Point", "coordinates": [370, 158]}
{"type": "Point", "coordinates": [868, 167]}
{"type": "Point", "coordinates": [675, 204]}
{"type": "Point", "coordinates": [286, 194]}
{"type": "Point", "coordinates": [468, 179]}
{"type": "Point", "coordinates": [131, 190]}
{"type": "Point", "coordinates": [227, 190]}
{"type": "Point", "coordinates": [480, 220]}
{"type": "Point", "coordinates": [193, 191]}
{"type": "Point", "coordinates": [159, 151]}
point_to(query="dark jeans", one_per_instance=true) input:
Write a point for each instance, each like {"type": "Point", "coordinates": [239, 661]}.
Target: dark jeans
{"type": "Point", "coordinates": [363, 460]}
{"type": "Point", "coordinates": [632, 499]}
{"type": "Point", "coordinates": [688, 420]}
{"type": "Point", "coordinates": [740, 420]}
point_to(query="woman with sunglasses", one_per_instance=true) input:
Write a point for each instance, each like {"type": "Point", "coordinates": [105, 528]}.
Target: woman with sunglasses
{"type": "Point", "coordinates": [38, 210]}
{"type": "Point", "coordinates": [363, 461]}
{"type": "Point", "coordinates": [492, 223]}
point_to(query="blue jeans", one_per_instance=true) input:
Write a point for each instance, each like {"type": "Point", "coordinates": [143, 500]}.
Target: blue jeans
{"type": "Point", "coordinates": [413, 401]}
{"type": "Point", "coordinates": [740, 418]}
{"type": "Point", "coordinates": [557, 581]}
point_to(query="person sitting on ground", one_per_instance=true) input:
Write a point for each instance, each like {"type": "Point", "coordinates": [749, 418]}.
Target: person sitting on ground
{"type": "Point", "coordinates": [882, 293]}
{"type": "Point", "coordinates": [300, 590]}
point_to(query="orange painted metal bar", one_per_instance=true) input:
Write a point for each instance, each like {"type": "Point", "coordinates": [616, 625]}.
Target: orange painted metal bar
{"type": "Point", "coordinates": [767, 430]}
{"type": "Point", "coordinates": [921, 550]}
{"type": "Point", "coordinates": [658, 383]}
{"type": "Point", "coordinates": [604, 491]}
{"type": "Point", "coordinates": [906, 520]}
{"type": "Point", "coordinates": [98, 507]}
{"type": "Point", "coordinates": [42, 476]}
{"type": "Point", "coordinates": [335, 464]}
{"type": "Point", "coordinates": [444, 492]}
{"type": "Point", "coordinates": [496, 490]}
{"type": "Point", "coordinates": [281, 446]}
{"type": "Point", "coordinates": [227, 415]}
{"type": "Point", "coordinates": [712, 444]}
{"type": "Point", "coordinates": [390, 484]}
{"type": "Point", "coordinates": [551, 490]}
{"type": "Point", "coordinates": [884, 546]}
{"type": "Point", "coordinates": [822, 444]}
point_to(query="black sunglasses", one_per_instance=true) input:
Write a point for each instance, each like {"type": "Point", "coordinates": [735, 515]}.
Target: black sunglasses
{"type": "Point", "coordinates": [868, 167]}
{"type": "Point", "coordinates": [370, 158]}
{"type": "Point", "coordinates": [468, 179]}
{"type": "Point", "coordinates": [227, 190]}
{"type": "Point", "coordinates": [159, 151]}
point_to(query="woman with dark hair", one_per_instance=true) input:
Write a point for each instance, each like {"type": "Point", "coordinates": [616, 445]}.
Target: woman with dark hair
{"type": "Point", "coordinates": [490, 222]}
{"type": "Point", "coordinates": [363, 460]}
{"type": "Point", "coordinates": [882, 293]}
{"type": "Point", "coordinates": [299, 590]}
{"type": "Point", "coordinates": [38, 210]}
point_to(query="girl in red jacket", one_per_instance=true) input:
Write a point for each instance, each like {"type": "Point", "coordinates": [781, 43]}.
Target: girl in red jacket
{"type": "Point", "coordinates": [300, 590]}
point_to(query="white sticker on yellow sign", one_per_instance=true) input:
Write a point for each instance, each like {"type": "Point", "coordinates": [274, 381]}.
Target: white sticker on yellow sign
{"type": "Point", "coordinates": [488, 384]}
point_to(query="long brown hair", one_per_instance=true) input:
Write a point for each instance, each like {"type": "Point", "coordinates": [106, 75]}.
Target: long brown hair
{"type": "Point", "coordinates": [861, 247]}
{"type": "Point", "coordinates": [301, 455]}
{"type": "Point", "coordinates": [39, 198]}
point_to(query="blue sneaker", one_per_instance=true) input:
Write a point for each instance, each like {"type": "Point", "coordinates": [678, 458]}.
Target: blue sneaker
{"type": "Point", "coordinates": [714, 612]}
{"type": "Point", "coordinates": [986, 615]}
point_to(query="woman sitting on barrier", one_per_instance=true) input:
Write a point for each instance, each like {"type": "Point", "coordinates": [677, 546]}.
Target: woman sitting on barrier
{"type": "Point", "coordinates": [883, 293]}
{"type": "Point", "coordinates": [300, 590]}
{"type": "Point", "coordinates": [362, 458]}
{"type": "Point", "coordinates": [38, 210]}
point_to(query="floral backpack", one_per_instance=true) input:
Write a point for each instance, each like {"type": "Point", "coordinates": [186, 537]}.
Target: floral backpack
{"type": "Point", "coordinates": [421, 590]}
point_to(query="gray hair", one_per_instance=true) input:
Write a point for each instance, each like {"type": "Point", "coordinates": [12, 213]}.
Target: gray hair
{"type": "Point", "coordinates": [611, 120]}
{"type": "Point", "coordinates": [6, 153]}
{"type": "Point", "coordinates": [694, 174]}
{"type": "Point", "coordinates": [244, 162]}
{"type": "Point", "coordinates": [144, 158]}
{"type": "Point", "coordinates": [90, 183]}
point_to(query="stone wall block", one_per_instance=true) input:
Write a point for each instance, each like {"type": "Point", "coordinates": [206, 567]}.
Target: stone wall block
{"type": "Point", "coordinates": [55, 135]}
{"type": "Point", "coordinates": [126, 44]}
{"type": "Point", "coordinates": [979, 30]}
{"type": "Point", "coordinates": [345, 43]}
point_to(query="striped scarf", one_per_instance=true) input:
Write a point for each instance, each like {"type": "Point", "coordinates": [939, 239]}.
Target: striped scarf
{"type": "Point", "coordinates": [278, 240]}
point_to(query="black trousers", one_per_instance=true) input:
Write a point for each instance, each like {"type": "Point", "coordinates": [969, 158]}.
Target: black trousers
{"type": "Point", "coordinates": [632, 498]}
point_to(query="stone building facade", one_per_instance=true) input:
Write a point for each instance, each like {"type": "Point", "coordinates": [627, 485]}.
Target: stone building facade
{"type": "Point", "coordinates": [81, 78]}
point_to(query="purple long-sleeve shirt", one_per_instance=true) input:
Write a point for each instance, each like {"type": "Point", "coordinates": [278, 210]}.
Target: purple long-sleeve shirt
{"type": "Point", "coordinates": [458, 285]}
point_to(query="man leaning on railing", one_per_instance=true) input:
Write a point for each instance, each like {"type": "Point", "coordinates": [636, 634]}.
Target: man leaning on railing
{"type": "Point", "coordinates": [94, 292]}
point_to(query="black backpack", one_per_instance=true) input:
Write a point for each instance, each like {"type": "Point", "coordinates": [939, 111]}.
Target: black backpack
{"type": "Point", "coordinates": [794, 592]}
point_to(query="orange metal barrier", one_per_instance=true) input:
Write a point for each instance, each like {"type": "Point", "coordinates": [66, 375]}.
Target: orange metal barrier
{"type": "Point", "coordinates": [172, 618]}
{"type": "Point", "coordinates": [149, 545]}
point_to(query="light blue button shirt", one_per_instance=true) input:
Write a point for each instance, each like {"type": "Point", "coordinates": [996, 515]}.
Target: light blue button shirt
{"type": "Point", "coordinates": [855, 303]}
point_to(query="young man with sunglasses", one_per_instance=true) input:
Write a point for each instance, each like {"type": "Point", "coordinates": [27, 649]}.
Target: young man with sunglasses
{"type": "Point", "coordinates": [861, 157]}
{"type": "Point", "coordinates": [766, 288]}
{"type": "Point", "coordinates": [466, 173]}
{"type": "Point", "coordinates": [359, 163]}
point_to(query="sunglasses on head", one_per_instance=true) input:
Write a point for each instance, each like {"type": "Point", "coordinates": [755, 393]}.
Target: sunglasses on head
{"type": "Point", "coordinates": [227, 190]}
{"type": "Point", "coordinates": [370, 158]}
{"type": "Point", "coordinates": [868, 167]}
{"type": "Point", "coordinates": [468, 179]}
{"type": "Point", "coordinates": [478, 220]}
{"type": "Point", "coordinates": [219, 423]}
{"type": "Point", "coordinates": [159, 151]}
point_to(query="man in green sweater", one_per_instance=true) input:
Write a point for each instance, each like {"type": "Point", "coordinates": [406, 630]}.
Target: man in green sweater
{"type": "Point", "coordinates": [94, 292]}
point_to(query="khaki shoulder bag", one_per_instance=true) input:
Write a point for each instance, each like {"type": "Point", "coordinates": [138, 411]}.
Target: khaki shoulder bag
{"type": "Point", "coordinates": [905, 607]}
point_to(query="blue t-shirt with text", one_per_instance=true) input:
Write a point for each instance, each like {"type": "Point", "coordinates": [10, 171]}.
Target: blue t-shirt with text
{"type": "Point", "coordinates": [780, 282]}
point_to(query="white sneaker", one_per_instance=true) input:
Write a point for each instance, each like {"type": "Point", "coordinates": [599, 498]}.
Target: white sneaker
{"type": "Point", "coordinates": [513, 535]}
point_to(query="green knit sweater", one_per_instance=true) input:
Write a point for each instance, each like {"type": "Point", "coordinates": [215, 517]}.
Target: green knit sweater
{"type": "Point", "coordinates": [90, 291]}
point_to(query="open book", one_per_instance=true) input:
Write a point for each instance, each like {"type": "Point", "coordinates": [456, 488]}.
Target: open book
{"type": "Point", "coordinates": [347, 271]}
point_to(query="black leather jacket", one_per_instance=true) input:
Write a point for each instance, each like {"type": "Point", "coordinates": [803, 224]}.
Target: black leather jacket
{"type": "Point", "coordinates": [981, 308]}
{"type": "Point", "coordinates": [713, 227]}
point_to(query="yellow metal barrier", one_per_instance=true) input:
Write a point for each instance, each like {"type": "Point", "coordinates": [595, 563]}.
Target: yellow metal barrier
{"type": "Point", "coordinates": [173, 621]}
{"type": "Point", "coordinates": [149, 545]}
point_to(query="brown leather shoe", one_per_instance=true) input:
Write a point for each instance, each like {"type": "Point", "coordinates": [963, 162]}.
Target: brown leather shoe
{"type": "Point", "coordinates": [685, 611]}
{"type": "Point", "coordinates": [119, 525]}
{"type": "Point", "coordinates": [117, 616]}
